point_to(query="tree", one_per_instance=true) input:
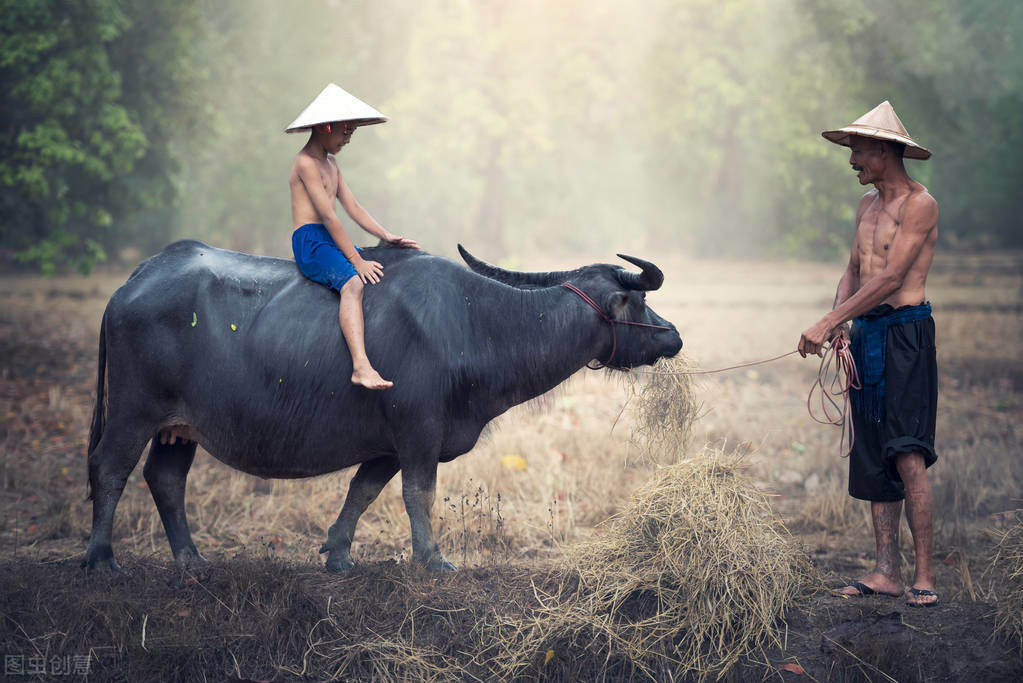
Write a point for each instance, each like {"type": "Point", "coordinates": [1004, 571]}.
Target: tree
{"type": "Point", "coordinates": [90, 91]}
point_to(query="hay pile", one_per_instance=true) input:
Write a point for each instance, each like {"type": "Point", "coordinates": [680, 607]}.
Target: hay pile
{"type": "Point", "coordinates": [1007, 561]}
{"type": "Point", "coordinates": [690, 579]}
{"type": "Point", "coordinates": [666, 407]}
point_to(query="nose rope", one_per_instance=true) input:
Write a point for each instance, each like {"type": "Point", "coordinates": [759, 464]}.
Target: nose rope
{"type": "Point", "coordinates": [612, 322]}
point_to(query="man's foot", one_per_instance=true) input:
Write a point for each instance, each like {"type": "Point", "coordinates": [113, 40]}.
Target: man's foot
{"type": "Point", "coordinates": [921, 597]}
{"type": "Point", "coordinates": [881, 585]}
{"type": "Point", "coordinates": [371, 379]}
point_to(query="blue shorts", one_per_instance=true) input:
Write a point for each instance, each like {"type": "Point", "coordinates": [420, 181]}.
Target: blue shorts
{"type": "Point", "coordinates": [318, 257]}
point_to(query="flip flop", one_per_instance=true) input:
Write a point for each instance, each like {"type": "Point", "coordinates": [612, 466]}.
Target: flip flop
{"type": "Point", "coordinates": [918, 592]}
{"type": "Point", "coordinates": [865, 590]}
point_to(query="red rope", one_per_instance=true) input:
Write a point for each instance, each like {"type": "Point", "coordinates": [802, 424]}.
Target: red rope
{"type": "Point", "coordinates": [836, 362]}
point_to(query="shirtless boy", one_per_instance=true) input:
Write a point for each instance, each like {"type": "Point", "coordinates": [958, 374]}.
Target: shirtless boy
{"type": "Point", "coordinates": [882, 291]}
{"type": "Point", "coordinates": [323, 250]}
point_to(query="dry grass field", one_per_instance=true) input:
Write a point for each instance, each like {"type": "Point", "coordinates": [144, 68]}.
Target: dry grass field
{"type": "Point", "coordinates": [513, 512]}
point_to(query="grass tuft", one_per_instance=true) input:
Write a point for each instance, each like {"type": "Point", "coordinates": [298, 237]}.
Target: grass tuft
{"type": "Point", "coordinates": [692, 577]}
{"type": "Point", "coordinates": [1007, 560]}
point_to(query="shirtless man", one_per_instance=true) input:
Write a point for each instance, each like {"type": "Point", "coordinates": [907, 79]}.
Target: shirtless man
{"type": "Point", "coordinates": [882, 291]}
{"type": "Point", "coordinates": [323, 250]}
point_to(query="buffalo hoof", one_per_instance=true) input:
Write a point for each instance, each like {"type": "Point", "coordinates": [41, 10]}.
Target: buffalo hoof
{"type": "Point", "coordinates": [440, 564]}
{"type": "Point", "coordinates": [189, 560]}
{"type": "Point", "coordinates": [100, 565]}
{"type": "Point", "coordinates": [339, 562]}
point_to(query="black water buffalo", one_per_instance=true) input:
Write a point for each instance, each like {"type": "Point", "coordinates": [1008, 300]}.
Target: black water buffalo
{"type": "Point", "coordinates": [243, 355]}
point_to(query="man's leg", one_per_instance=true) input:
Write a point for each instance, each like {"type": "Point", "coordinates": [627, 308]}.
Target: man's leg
{"type": "Point", "coordinates": [887, 576]}
{"type": "Point", "coordinates": [353, 329]}
{"type": "Point", "coordinates": [919, 514]}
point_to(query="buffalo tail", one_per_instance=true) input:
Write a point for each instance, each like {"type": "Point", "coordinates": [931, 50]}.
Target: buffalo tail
{"type": "Point", "coordinates": [96, 430]}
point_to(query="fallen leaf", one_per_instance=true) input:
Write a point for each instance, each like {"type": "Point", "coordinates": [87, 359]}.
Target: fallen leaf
{"type": "Point", "coordinates": [184, 612]}
{"type": "Point", "coordinates": [514, 462]}
{"type": "Point", "coordinates": [234, 328]}
{"type": "Point", "coordinates": [794, 668]}
{"type": "Point", "coordinates": [548, 657]}
{"type": "Point", "coordinates": [195, 319]}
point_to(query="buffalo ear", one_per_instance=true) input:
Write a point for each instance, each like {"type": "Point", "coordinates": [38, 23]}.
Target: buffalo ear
{"type": "Point", "coordinates": [618, 305]}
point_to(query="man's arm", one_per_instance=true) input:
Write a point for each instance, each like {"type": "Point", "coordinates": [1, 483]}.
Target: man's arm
{"type": "Point", "coordinates": [354, 209]}
{"type": "Point", "coordinates": [848, 285]}
{"type": "Point", "coordinates": [921, 217]}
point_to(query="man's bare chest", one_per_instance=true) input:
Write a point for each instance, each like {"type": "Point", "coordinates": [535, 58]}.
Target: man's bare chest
{"type": "Point", "coordinates": [877, 232]}
{"type": "Point", "coordinates": [878, 228]}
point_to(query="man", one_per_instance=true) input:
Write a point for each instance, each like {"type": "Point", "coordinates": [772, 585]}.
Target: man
{"type": "Point", "coordinates": [882, 291]}
{"type": "Point", "coordinates": [323, 250]}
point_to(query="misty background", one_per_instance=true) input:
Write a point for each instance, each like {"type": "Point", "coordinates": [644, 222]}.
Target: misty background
{"type": "Point", "coordinates": [689, 127]}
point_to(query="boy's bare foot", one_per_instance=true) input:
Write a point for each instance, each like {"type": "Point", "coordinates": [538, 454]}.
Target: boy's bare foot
{"type": "Point", "coordinates": [370, 378]}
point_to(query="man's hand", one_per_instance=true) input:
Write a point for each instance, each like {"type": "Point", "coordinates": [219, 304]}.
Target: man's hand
{"type": "Point", "coordinates": [369, 272]}
{"type": "Point", "coordinates": [812, 340]}
{"type": "Point", "coordinates": [841, 331]}
{"type": "Point", "coordinates": [399, 241]}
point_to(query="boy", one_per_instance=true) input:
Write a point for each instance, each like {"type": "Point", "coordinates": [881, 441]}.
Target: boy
{"type": "Point", "coordinates": [323, 251]}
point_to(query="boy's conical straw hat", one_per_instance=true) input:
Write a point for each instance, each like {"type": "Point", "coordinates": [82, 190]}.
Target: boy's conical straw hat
{"type": "Point", "coordinates": [335, 104]}
{"type": "Point", "coordinates": [880, 123]}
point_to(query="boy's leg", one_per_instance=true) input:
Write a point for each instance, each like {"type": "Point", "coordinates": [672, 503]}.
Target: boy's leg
{"type": "Point", "coordinates": [353, 329]}
{"type": "Point", "coordinates": [919, 513]}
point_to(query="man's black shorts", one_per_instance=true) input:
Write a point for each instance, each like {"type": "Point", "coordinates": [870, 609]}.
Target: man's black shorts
{"type": "Point", "coordinates": [910, 402]}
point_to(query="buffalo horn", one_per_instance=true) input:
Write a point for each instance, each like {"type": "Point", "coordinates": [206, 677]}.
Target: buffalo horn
{"type": "Point", "coordinates": [651, 277]}
{"type": "Point", "coordinates": [513, 277]}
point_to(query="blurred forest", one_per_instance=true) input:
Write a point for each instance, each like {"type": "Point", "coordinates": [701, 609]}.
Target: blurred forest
{"type": "Point", "coordinates": [689, 126]}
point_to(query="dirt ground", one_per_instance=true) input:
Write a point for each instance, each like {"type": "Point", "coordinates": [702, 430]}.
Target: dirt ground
{"type": "Point", "coordinates": [267, 610]}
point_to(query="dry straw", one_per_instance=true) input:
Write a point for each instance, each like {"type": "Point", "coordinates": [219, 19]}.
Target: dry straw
{"type": "Point", "coordinates": [694, 576]}
{"type": "Point", "coordinates": [666, 407]}
{"type": "Point", "coordinates": [1007, 561]}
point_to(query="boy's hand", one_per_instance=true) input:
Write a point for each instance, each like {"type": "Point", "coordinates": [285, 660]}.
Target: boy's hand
{"type": "Point", "coordinates": [369, 271]}
{"type": "Point", "coordinates": [399, 241]}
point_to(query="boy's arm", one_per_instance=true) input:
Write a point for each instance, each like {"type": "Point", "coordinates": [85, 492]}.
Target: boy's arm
{"type": "Point", "coordinates": [369, 271]}
{"type": "Point", "coordinates": [354, 209]}
{"type": "Point", "coordinates": [324, 205]}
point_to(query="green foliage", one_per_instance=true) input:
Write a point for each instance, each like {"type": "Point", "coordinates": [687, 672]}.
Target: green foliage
{"type": "Point", "coordinates": [953, 70]}
{"type": "Point", "coordinates": [581, 125]}
{"type": "Point", "coordinates": [90, 90]}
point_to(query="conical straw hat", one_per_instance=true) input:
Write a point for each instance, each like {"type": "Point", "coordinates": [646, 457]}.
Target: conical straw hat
{"type": "Point", "coordinates": [881, 123]}
{"type": "Point", "coordinates": [335, 104]}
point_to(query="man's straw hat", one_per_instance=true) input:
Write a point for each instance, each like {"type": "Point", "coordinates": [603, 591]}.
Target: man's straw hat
{"type": "Point", "coordinates": [880, 123]}
{"type": "Point", "coordinates": [335, 104]}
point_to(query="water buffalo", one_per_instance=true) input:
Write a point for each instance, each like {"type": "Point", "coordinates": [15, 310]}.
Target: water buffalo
{"type": "Point", "coordinates": [243, 355]}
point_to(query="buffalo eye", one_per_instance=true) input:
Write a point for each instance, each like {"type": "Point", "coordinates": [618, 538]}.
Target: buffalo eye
{"type": "Point", "coordinates": [618, 304]}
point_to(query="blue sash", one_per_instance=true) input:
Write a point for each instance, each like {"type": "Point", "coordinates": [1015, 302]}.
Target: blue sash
{"type": "Point", "coordinates": [868, 341]}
